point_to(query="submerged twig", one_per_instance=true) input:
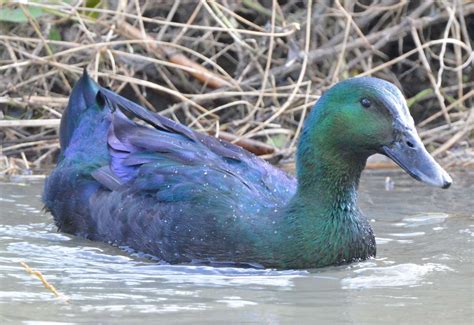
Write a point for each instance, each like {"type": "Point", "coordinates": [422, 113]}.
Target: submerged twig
{"type": "Point", "coordinates": [45, 282]}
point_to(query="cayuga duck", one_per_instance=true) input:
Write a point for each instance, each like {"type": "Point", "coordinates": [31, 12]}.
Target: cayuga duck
{"type": "Point", "coordinates": [186, 197]}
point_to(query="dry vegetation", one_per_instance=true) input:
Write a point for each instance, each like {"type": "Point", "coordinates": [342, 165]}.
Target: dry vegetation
{"type": "Point", "coordinates": [247, 71]}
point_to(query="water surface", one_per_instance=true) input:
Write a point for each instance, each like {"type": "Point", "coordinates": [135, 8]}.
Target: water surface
{"type": "Point", "coordinates": [423, 271]}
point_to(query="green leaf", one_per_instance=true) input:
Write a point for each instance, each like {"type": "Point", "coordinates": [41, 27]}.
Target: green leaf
{"type": "Point", "coordinates": [54, 35]}
{"type": "Point", "coordinates": [92, 4]}
{"type": "Point", "coordinates": [278, 140]}
{"type": "Point", "coordinates": [16, 15]}
{"type": "Point", "coordinates": [419, 97]}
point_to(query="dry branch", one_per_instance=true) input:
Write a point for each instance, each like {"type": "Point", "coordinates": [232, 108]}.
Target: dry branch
{"type": "Point", "coordinates": [199, 72]}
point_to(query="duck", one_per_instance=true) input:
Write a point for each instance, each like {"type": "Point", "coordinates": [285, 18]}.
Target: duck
{"type": "Point", "coordinates": [133, 178]}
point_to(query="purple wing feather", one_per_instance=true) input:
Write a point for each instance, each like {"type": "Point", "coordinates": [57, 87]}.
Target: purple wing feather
{"type": "Point", "coordinates": [107, 178]}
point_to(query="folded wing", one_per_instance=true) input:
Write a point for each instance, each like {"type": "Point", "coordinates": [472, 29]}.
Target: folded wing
{"type": "Point", "coordinates": [178, 164]}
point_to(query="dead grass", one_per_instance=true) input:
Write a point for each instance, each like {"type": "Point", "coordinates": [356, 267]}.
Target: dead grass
{"type": "Point", "coordinates": [248, 71]}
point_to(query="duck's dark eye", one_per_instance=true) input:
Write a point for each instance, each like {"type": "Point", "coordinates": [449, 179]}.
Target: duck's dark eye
{"type": "Point", "coordinates": [365, 102]}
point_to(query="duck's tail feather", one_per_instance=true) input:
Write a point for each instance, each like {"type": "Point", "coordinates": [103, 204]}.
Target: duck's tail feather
{"type": "Point", "coordinates": [82, 97]}
{"type": "Point", "coordinates": [83, 138]}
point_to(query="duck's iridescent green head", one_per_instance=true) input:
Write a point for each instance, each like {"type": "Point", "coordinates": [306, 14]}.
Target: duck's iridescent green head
{"type": "Point", "coordinates": [362, 116]}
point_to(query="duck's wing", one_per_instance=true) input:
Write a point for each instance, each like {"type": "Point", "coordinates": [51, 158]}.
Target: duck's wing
{"type": "Point", "coordinates": [179, 164]}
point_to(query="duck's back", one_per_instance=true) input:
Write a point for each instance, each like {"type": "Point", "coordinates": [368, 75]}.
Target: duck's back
{"type": "Point", "coordinates": [167, 190]}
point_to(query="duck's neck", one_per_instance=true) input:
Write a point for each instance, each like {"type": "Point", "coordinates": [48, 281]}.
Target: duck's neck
{"type": "Point", "coordinates": [328, 177]}
{"type": "Point", "coordinates": [322, 224]}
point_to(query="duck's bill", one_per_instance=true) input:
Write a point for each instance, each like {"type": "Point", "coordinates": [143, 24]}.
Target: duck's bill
{"type": "Point", "coordinates": [411, 155]}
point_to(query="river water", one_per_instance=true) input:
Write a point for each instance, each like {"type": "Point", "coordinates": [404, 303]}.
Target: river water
{"type": "Point", "coordinates": [423, 272]}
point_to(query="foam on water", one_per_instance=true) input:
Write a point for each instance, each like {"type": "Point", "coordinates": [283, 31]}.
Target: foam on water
{"type": "Point", "coordinates": [392, 276]}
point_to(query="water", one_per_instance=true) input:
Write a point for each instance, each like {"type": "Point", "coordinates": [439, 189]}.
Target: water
{"type": "Point", "coordinates": [423, 272]}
